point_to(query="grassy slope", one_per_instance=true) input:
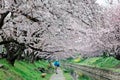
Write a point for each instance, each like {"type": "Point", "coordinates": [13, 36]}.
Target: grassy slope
{"type": "Point", "coordinates": [100, 62]}
{"type": "Point", "coordinates": [22, 71]}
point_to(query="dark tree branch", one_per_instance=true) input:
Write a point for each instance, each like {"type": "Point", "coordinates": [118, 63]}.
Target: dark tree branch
{"type": "Point", "coordinates": [15, 1]}
{"type": "Point", "coordinates": [3, 15]}
{"type": "Point", "coordinates": [31, 18]}
{"type": "Point", "coordinates": [23, 44]}
{"type": "Point", "coordinates": [35, 32]}
{"type": "Point", "coordinates": [14, 41]}
{"type": "Point", "coordinates": [37, 49]}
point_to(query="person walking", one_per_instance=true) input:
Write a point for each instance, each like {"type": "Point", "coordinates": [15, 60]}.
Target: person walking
{"type": "Point", "coordinates": [56, 64]}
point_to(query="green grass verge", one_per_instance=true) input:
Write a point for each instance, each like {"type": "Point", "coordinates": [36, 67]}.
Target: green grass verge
{"type": "Point", "coordinates": [81, 76]}
{"type": "Point", "coordinates": [66, 73]}
{"type": "Point", "coordinates": [109, 63]}
{"type": "Point", "coordinates": [67, 76]}
{"type": "Point", "coordinates": [105, 63]}
{"type": "Point", "coordinates": [84, 77]}
{"type": "Point", "coordinates": [23, 71]}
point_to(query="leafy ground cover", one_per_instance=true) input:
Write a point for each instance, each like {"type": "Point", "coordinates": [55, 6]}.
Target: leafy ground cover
{"type": "Point", "coordinates": [81, 76]}
{"type": "Point", "coordinates": [67, 76]}
{"type": "Point", "coordinates": [23, 71]}
{"type": "Point", "coordinates": [101, 62]}
{"type": "Point", "coordinates": [109, 63]}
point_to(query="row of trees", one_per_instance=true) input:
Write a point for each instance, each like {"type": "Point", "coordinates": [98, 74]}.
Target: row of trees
{"type": "Point", "coordinates": [58, 29]}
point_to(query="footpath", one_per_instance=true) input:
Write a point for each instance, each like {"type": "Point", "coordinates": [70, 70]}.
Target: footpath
{"type": "Point", "coordinates": [58, 76]}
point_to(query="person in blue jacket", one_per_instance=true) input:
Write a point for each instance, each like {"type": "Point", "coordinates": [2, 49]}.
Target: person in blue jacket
{"type": "Point", "coordinates": [56, 64]}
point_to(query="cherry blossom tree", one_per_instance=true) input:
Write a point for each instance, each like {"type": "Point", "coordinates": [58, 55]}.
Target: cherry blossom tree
{"type": "Point", "coordinates": [111, 35]}
{"type": "Point", "coordinates": [52, 29]}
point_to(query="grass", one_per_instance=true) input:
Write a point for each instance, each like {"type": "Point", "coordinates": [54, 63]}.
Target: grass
{"type": "Point", "coordinates": [84, 77]}
{"type": "Point", "coordinates": [67, 76]}
{"type": "Point", "coordinates": [109, 63]}
{"type": "Point", "coordinates": [22, 71]}
{"type": "Point", "coordinates": [81, 76]}
{"type": "Point", "coordinates": [66, 73]}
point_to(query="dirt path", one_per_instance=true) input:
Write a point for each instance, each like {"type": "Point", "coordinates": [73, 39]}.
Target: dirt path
{"type": "Point", "coordinates": [58, 76]}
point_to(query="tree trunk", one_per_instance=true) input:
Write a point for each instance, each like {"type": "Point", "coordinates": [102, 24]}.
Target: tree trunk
{"type": "Point", "coordinates": [11, 58]}
{"type": "Point", "coordinates": [117, 57]}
